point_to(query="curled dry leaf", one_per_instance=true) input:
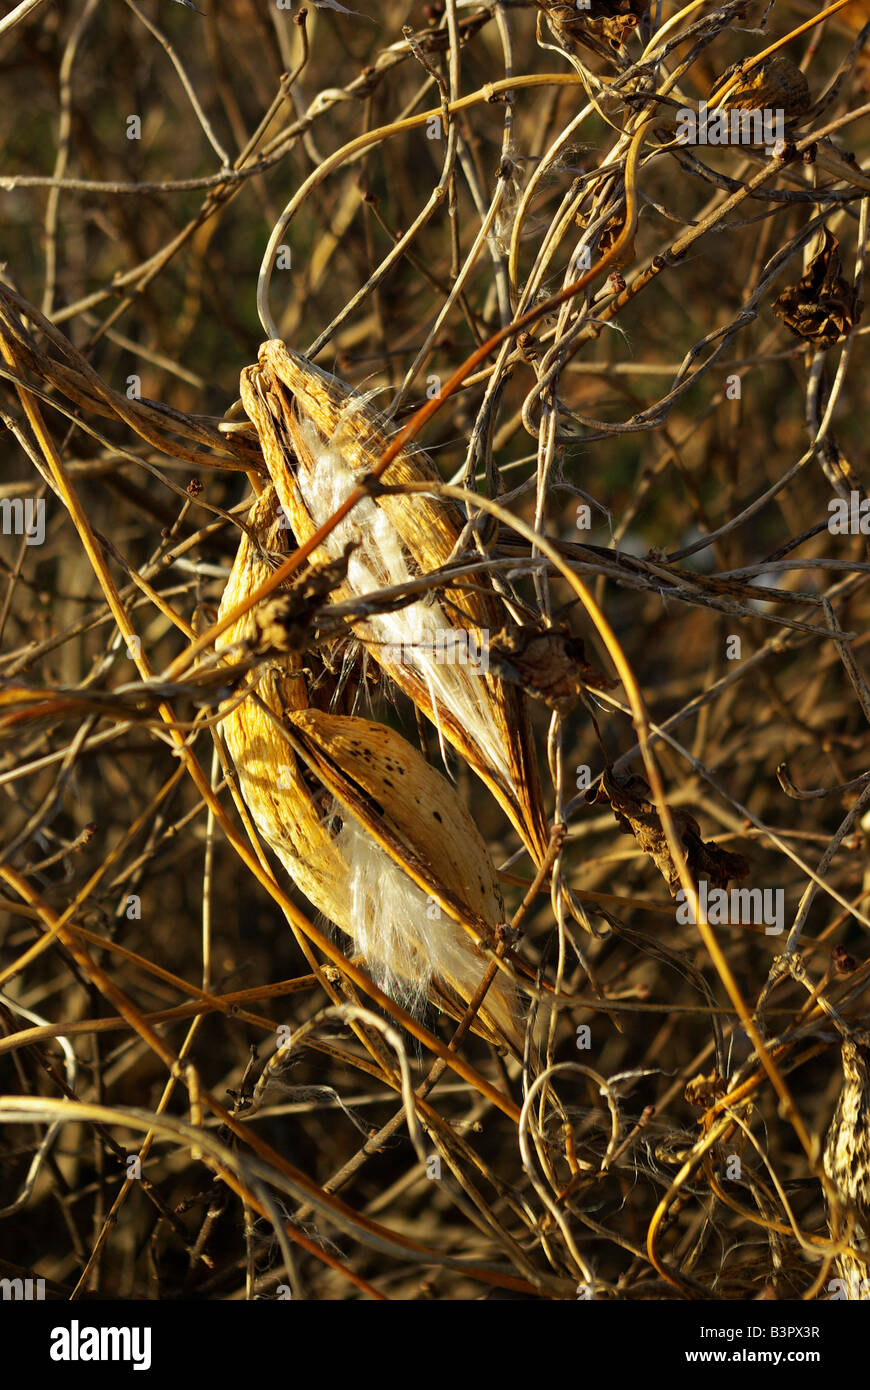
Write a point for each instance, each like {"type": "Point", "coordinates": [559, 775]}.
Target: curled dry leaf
{"type": "Point", "coordinates": [609, 234]}
{"type": "Point", "coordinates": [375, 838]}
{"type": "Point", "coordinates": [612, 231]}
{"type": "Point", "coordinates": [602, 25]}
{"type": "Point", "coordinates": [630, 800]}
{"type": "Point", "coordinates": [318, 439]}
{"type": "Point", "coordinates": [292, 621]}
{"type": "Point", "coordinates": [777, 84]}
{"type": "Point", "coordinates": [550, 664]}
{"type": "Point", "coordinates": [822, 307]}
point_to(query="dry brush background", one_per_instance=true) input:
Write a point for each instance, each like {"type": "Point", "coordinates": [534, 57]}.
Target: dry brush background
{"type": "Point", "coordinates": [700, 395]}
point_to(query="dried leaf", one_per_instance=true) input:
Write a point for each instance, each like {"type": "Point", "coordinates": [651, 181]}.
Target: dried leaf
{"type": "Point", "coordinates": [549, 664]}
{"type": "Point", "coordinates": [601, 25]}
{"type": "Point", "coordinates": [777, 84]}
{"type": "Point", "coordinates": [821, 308]}
{"type": "Point", "coordinates": [290, 622]}
{"type": "Point", "coordinates": [611, 233]}
{"type": "Point", "coordinates": [630, 800]}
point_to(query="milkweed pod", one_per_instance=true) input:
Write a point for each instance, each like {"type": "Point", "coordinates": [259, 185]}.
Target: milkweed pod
{"type": "Point", "coordinates": [375, 838]}
{"type": "Point", "coordinates": [318, 439]}
{"type": "Point", "coordinates": [846, 1161]}
{"type": "Point", "coordinates": [413, 817]}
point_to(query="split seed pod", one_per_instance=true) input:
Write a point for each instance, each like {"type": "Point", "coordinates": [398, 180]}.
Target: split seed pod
{"type": "Point", "coordinates": [847, 1159]}
{"type": "Point", "coordinates": [375, 838]}
{"type": "Point", "coordinates": [318, 439]}
{"type": "Point", "coordinates": [421, 878]}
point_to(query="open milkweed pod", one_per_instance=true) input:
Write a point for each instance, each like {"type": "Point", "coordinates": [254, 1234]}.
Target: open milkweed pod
{"type": "Point", "coordinates": [333, 848]}
{"type": "Point", "coordinates": [318, 439]}
{"type": "Point", "coordinates": [403, 811]}
{"type": "Point", "coordinates": [846, 1160]}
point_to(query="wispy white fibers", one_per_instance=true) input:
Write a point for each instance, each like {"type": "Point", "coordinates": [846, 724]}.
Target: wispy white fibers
{"type": "Point", "coordinates": [423, 631]}
{"type": "Point", "coordinates": [407, 941]}
{"type": "Point", "coordinates": [404, 936]}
